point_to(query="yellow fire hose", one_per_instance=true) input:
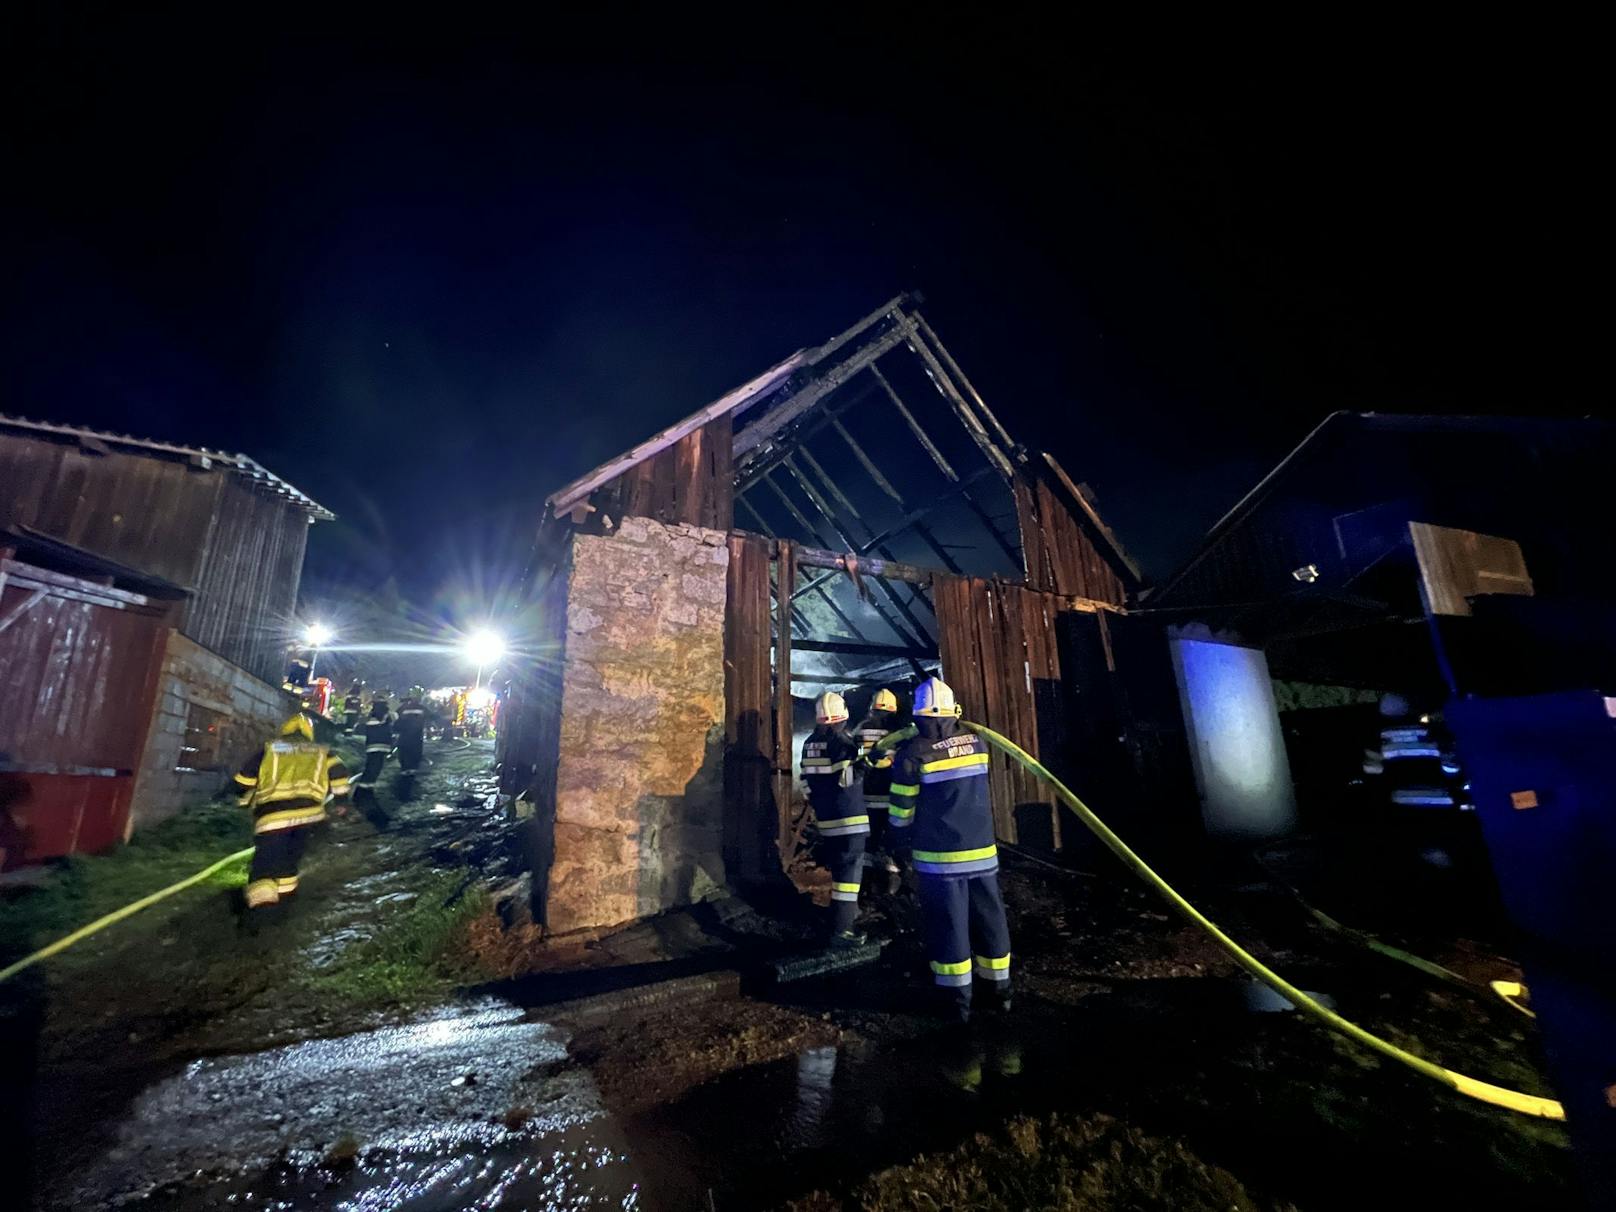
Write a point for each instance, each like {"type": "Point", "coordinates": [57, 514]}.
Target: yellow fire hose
{"type": "Point", "coordinates": [1509, 992]}
{"type": "Point", "coordinates": [1514, 1100]}
{"type": "Point", "coordinates": [101, 923]}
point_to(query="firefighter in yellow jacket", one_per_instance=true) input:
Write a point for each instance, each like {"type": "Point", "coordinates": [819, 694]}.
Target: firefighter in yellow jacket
{"type": "Point", "coordinates": [287, 784]}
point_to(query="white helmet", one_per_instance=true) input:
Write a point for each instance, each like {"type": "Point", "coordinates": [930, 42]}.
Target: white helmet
{"type": "Point", "coordinates": [829, 708]}
{"type": "Point", "coordinates": [933, 697]}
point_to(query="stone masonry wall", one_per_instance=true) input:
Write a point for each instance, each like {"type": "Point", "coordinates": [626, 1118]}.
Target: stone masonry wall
{"type": "Point", "coordinates": [242, 709]}
{"type": "Point", "coordinates": [639, 784]}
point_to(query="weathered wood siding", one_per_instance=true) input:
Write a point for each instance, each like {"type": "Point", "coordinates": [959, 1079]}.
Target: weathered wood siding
{"type": "Point", "coordinates": [240, 548]}
{"type": "Point", "coordinates": [752, 817]}
{"type": "Point", "coordinates": [691, 481]}
{"type": "Point", "coordinates": [1001, 658]}
{"type": "Point", "coordinates": [150, 514]}
{"type": "Point", "coordinates": [1062, 553]}
{"type": "Point", "coordinates": [246, 587]}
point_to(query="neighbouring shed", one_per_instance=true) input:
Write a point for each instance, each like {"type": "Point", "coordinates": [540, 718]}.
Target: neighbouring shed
{"type": "Point", "coordinates": [217, 525]}
{"type": "Point", "coordinates": [854, 516]}
{"type": "Point", "coordinates": [148, 596]}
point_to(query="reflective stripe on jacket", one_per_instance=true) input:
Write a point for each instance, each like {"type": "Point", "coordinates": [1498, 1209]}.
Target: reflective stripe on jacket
{"type": "Point", "coordinates": [940, 799]}
{"type": "Point", "coordinates": [833, 793]}
{"type": "Point", "coordinates": [289, 782]}
{"type": "Point", "coordinates": [878, 775]}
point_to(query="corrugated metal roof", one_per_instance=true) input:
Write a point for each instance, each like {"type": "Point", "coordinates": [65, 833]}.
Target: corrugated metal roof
{"type": "Point", "coordinates": [201, 455]}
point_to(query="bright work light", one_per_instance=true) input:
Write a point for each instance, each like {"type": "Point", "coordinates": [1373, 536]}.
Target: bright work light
{"type": "Point", "coordinates": [483, 647]}
{"type": "Point", "coordinates": [318, 635]}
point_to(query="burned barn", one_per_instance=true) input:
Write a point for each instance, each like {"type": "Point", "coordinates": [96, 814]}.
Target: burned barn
{"type": "Point", "coordinates": [856, 516]}
{"type": "Point", "coordinates": [146, 595]}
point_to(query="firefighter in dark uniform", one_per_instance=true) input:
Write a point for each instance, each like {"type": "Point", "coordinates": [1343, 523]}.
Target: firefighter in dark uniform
{"type": "Point", "coordinates": [411, 729]}
{"type": "Point", "coordinates": [876, 766]}
{"type": "Point", "coordinates": [353, 707]}
{"type": "Point", "coordinates": [828, 757]}
{"type": "Point", "coordinates": [378, 744]}
{"type": "Point", "coordinates": [1414, 762]}
{"type": "Point", "coordinates": [287, 784]}
{"type": "Point", "coordinates": [942, 812]}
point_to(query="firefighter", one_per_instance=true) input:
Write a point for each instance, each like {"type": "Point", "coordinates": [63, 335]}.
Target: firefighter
{"type": "Point", "coordinates": [378, 744]}
{"type": "Point", "coordinates": [877, 770]}
{"type": "Point", "coordinates": [1426, 812]}
{"type": "Point", "coordinates": [353, 707]}
{"type": "Point", "coordinates": [942, 813]}
{"type": "Point", "coordinates": [287, 784]}
{"type": "Point", "coordinates": [411, 729]}
{"type": "Point", "coordinates": [828, 756]}
{"type": "Point", "coordinates": [1414, 761]}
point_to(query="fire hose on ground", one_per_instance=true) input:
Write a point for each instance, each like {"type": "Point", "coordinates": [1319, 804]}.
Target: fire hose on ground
{"type": "Point", "coordinates": [129, 910]}
{"type": "Point", "coordinates": [1508, 992]}
{"type": "Point", "coordinates": [1514, 1100]}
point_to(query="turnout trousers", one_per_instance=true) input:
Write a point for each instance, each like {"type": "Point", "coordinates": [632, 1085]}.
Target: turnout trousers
{"type": "Point", "coordinates": [372, 774]}
{"type": "Point", "coordinates": [844, 856]}
{"type": "Point", "coordinates": [876, 807]}
{"type": "Point", "coordinates": [273, 874]}
{"type": "Point", "coordinates": [967, 935]}
{"type": "Point", "coordinates": [409, 752]}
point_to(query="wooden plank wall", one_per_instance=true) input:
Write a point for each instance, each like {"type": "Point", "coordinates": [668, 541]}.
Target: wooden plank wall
{"type": "Point", "coordinates": [1000, 655]}
{"type": "Point", "coordinates": [151, 514]}
{"type": "Point", "coordinates": [1060, 549]}
{"type": "Point", "coordinates": [752, 819]}
{"type": "Point", "coordinates": [691, 481]}
{"type": "Point", "coordinates": [240, 548]}
{"type": "Point", "coordinates": [246, 587]}
{"type": "Point", "coordinates": [785, 585]}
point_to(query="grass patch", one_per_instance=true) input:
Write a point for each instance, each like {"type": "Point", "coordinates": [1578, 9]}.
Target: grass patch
{"type": "Point", "coordinates": [86, 887]}
{"type": "Point", "coordinates": [419, 951]}
{"type": "Point", "coordinates": [1082, 1163]}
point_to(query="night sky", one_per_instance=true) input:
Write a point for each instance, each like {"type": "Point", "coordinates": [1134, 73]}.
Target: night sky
{"type": "Point", "coordinates": [428, 274]}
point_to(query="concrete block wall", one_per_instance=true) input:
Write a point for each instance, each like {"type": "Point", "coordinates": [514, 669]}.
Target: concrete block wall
{"type": "Point", "coordinates": [639, 781]}
{"type": "Point", "coordinates": [250, 710]}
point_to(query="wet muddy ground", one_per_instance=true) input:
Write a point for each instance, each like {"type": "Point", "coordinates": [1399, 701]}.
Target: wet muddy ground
{"type": "Point", "coordinates": [1140, 1069]}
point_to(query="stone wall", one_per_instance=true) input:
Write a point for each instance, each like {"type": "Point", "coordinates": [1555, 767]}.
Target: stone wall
{"type": "Point", "coordinates": [638, 824]}
{"type": "Point", "coordinates": [209, 715]}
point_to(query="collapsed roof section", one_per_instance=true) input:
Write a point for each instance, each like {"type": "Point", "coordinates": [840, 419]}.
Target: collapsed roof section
{"type": "Point", "coordinates": [873, 448]}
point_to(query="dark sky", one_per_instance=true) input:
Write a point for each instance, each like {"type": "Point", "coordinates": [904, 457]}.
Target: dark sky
{"type": "Point", "coordinates": [429, 273]}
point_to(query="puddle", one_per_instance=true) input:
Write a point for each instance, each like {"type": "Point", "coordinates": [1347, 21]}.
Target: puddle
{"type": "Point", "coordinates": [329, 948]}
{"type": "Point", "coordinates": [444, 1105]}
{"type": "Point", "coordinates": [1203, 996]}
{"type": "Point", "coordinates": [761, 1135]}
{"type": "Point", "coordinates": [1260, 999]}
{"type": "Point", "coordinates": [483, 1108]}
